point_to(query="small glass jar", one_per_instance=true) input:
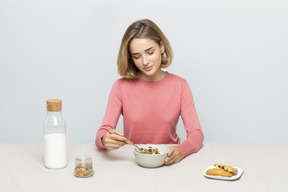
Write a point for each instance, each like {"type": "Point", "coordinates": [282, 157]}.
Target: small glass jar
{"type": "Point", "coordinates": [83, 166]}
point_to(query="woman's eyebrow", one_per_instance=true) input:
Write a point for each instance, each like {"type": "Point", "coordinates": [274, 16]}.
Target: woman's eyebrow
{"type": "Point", "coordinates": [149, 48]}
{"type": "Point", "coordinates": [145, 50]}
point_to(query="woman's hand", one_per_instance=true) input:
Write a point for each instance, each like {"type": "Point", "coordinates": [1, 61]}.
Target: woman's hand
{"type": "Point", "coordinates": [174, 156]}
{"type": "Point", "coordinates": [113, 141]}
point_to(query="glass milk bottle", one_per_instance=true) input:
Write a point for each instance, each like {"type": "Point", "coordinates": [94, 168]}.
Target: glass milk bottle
{"type": "Point", "coordinates": [55, 146]}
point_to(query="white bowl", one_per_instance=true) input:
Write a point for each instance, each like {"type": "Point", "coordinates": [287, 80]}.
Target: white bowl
{"type": "Point", "coordinates": [148, 160]}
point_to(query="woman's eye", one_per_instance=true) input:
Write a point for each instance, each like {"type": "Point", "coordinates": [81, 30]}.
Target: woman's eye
{"type": "Point", "coordinates": [150, 53]}
{"type": "Point", "coordinates": [136, 57]}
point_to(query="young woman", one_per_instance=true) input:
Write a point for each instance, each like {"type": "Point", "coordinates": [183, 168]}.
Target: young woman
{"type": "Point", "coordinates": [149, 99]}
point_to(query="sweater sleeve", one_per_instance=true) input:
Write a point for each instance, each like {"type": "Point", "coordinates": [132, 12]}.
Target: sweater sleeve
{"type": "Point", "coordinates": [191, 123]}
{"type": "Point", "coordinates": [113, 111]}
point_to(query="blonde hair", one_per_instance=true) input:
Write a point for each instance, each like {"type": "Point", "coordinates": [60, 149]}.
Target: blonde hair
{"type": "Point", "coordinates": [141, 29]}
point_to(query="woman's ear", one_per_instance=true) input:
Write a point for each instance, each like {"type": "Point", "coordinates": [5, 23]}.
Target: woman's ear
{"type": "Point", "coordinates": [162, 47]}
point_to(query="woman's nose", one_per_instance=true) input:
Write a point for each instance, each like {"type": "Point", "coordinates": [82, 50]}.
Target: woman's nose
{"type": "Point", "coordinates": [145, 60]}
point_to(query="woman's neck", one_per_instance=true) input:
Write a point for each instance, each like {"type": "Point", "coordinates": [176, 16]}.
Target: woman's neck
{"type": "Point", "coordinates": [156, 77]}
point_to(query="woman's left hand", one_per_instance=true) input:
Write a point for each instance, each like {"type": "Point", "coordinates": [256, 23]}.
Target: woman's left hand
{"type": "Point", "coordinates": [174, 156]}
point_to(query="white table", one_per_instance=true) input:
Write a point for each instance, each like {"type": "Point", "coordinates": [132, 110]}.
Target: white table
{"type": "Point", "coordinates": [265, 169]}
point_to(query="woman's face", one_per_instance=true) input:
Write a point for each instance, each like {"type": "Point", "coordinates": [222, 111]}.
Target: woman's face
{"type": "Point", "coordinates": [146, 55]}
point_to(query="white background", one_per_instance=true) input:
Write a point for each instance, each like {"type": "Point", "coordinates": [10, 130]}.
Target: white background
{"type": "Point", "coordinates": [234, 54]}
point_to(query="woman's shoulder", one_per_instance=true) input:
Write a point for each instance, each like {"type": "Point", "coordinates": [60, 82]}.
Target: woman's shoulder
{"type": "Point", "coordinates": [123, 81]}
{"type": "Point", "coordinates": [176, 78]}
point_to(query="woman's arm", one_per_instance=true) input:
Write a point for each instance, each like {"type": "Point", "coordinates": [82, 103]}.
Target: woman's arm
{"type": "Point", "coordinates": [113, 111]}
{"type": "Point", "coordinates": [191, 123]}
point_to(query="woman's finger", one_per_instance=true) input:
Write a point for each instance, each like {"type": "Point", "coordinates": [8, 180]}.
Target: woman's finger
{"type": "Point", "coordinates": [113, 141]}
{"type": "Point", "coordinates": [112, 146]}
{"type": "Point", "coordinates": [174, 156]}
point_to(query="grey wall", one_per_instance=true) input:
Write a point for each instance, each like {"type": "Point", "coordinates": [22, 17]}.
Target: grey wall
{"type": "Point", "coordinates": [232, 53]}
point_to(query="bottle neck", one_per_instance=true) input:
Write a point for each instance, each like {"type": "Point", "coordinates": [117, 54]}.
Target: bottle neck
{"type": "Point", "coordinates": [54, 123]}
{"type": "Point", "coordinates": [54, 112]}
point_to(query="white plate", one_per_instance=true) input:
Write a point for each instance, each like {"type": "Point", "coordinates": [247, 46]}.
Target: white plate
{"type": "Point", "coordinates": [234, 177]}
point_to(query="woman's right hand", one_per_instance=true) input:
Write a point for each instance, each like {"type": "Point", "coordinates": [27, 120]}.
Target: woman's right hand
{"type": "Point", "coordinates": [113, 141]}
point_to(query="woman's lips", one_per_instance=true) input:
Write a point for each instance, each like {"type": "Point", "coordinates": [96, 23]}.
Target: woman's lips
{"type": "Point", "coordinates": [148, 68]}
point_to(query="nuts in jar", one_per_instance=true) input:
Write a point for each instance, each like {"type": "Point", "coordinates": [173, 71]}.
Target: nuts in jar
{"type": "Point", "coordinates": [83, 166]}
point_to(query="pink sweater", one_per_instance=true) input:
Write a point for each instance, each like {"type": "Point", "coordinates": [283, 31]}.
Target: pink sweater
{"type": "Point", "coordinates": [151, 112]}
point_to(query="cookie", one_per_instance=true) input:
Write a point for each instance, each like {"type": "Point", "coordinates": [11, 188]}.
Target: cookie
{"type": "Point", "coordinates": [218, 172]}
{"type": "Point", "coordinates": [226, 168]}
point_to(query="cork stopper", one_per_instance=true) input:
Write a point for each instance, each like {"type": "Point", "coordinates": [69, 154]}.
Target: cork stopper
{"type": "Point", "coordinates": [54, 105]}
